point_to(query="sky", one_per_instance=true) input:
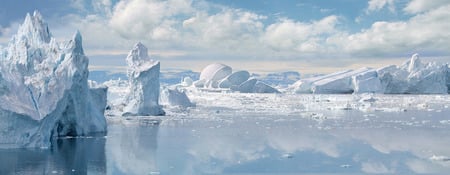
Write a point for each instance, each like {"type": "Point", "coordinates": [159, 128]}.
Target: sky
{"type": "Point", "coordinates": [309, 36]}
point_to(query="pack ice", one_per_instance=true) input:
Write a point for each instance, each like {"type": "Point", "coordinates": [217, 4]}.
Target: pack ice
{"type": "Point", "coordinates": [413, 77]}
{"type": "Point", "coordinates": [143, 77]}
{"type": "Point", "coordinates": [221, 76]}
{"type": "Point", "coordinates": [44, 90]}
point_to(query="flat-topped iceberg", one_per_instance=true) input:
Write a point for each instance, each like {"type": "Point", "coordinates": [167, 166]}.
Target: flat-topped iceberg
{"type": "Point", "coordinates": [413, 77]}
{"type": "Point", "coordinates": [44, 90]}
{"type": "Point", "coordinates": [143, 77]}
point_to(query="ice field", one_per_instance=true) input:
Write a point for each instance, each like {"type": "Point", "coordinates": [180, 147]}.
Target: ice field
{"type": "Point", "coordinates": [227, 133]}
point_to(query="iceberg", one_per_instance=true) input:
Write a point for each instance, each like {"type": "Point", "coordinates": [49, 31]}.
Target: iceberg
{"type": "Point", "coordinates": [44, 89]}
{"type": "Point", "coordinates": [175, 97]}
{"type": "Point", "coordinates": [213, 73]}
{"type": "Point", "coordinates": [234, 79]}
{"type": "Point", "coordinates": [261, 87]}
{"type": "Point", "coordinates": [143, 77]}
{"type": "Point", "coordinates": [247, 86]}
{"type": "Point", "coordinates": [220, 76]}
{"type": "Point", "coordinates": [415, 77]}
{"type": "Point", "coordinates": [305, 85]}
{"type": "Point", "coordinates": [341, 83]}
{"type": "Point", "coordinates": [367, 82]}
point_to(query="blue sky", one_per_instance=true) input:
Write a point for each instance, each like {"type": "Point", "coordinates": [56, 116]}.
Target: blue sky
{"type": "Point", "coordinates": [265, 35]}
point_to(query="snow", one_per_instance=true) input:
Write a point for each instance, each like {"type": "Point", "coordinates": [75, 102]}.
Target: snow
{"type": "Point", "coordinates": [45, 89]}
{"type": "Point", "coordinates": [143, 77]}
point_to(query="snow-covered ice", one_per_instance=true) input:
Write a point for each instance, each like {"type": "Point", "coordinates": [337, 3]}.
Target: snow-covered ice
{"type": "Point", "coordinates": [413, 77]}
{"type": "Point", "coordinates": [45, 88]}
{"type": "Point", "coordinates": [339, 84]}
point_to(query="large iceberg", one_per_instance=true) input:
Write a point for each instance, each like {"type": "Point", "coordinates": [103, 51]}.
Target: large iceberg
{"type": "Point", "coordinates": [305, 85]}
{"type": "Point", "coordinates": [367, 82]}
{"type": "Point", "coordinates": [341, 83]}
{"type": "Point", "coordinates": [413, 77]}
{"type": "Point", "coordinates": [143, 77]}
{"type": "Point", "coordinates": [44, 89]}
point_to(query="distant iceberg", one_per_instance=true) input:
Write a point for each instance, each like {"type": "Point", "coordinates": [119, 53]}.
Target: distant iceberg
{"type": "Point", "coordinates": [220, 76]}
{"type": "Point", "coordinates": [44, 90]}
{"type": "Point", "coordinates": [413, 77]}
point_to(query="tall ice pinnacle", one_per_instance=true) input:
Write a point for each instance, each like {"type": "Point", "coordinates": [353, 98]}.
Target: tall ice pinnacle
{"type": "Point", "coordinates": [44, 89]}
{"type": "Point", "coordinates": [143, 76]}
{"type": "Point", "coordinates": [414, 63]}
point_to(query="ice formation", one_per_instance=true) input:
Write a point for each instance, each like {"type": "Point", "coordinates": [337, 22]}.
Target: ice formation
{"type": "Point", "coordinates": [44, 89]}
{"type": "Point", "coordinates": [175, 97]}
{"type": "Point", "coordinates": [367, 82]}
{"type": "Point", "coordinates": [337, 84]}
{"type": "Point", "coordinates": [221, 76]}
{"type": "Point", "coordinates": [413, 77]}
{"type": "Point", "coordinates": [143, 77]}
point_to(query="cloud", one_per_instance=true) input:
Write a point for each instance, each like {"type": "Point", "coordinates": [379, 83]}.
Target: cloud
{"type": "Point", "coordinates": [150, 19]}
{"type": "Point", "coordinates": [200, 29]}
{"type": "Point", "coordinates": [426, 32]}
{"type": "Point", "coordinates": [7, 32]}
{"type": "Point", "coordinates": [417, 6]}
{"type": "Point", "coordinates": [289, 35]}
{"type": "Point", "coordinates": [375, 168]}
{"type": "Point", "coordinates": [230, 30]}
{"type": "Point", "coordinates": [375, 5]}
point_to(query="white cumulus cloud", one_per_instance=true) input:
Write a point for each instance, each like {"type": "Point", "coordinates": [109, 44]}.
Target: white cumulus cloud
{"type": "Point", "coordinates": [289, 35]}
{"type": "Point", "coordinates": [375, 5]}
{"type": "Point", "coordinates": [424, 32]}
{"type": "Point", "coordinates": [417, 6]}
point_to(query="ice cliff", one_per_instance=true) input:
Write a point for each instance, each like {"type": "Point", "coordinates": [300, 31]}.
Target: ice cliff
{"type": "Point", "coordinates": [143, 77]}
{"type": "Point", "coordinates": [220, 76]}
{"type": "Point", "coordinates": [44, 90]}
{"type": "Point", "coordinates": [413, 77]}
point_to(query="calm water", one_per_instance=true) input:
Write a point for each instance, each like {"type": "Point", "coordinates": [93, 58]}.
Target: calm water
{"type": "Point", "coordinates": [401, 143]}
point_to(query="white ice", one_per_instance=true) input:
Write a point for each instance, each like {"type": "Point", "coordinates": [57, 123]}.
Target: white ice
{"type": "Point", "coordinates": [44, 88]}
{"type": "Point", "coordinates": [413, 77]}
{"type": "Point", "coordinates": [143, 77]}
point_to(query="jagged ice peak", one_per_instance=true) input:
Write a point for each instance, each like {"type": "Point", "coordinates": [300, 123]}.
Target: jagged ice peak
{"type": "Point", "coordinates": [34, 30]}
